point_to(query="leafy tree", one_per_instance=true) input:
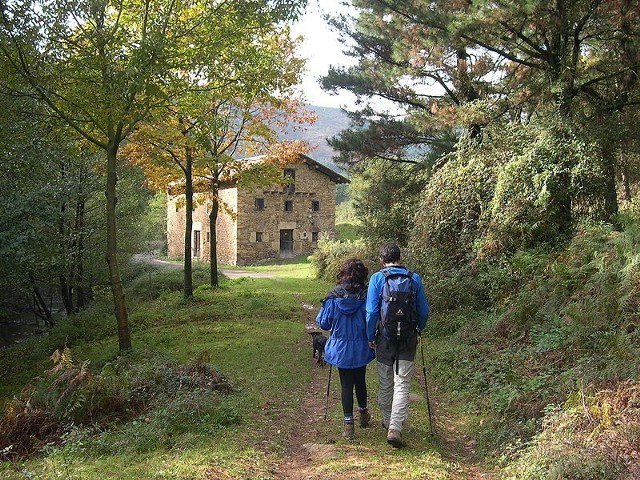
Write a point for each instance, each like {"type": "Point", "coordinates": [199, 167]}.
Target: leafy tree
{"type": "Point", "coordinates": [579, 56]}
{"type": "Point", "coordinates": [49, 191]}
{"type": "Point", "coordinates": [52, 253]}
{"type": "Point", "coordinates": [104, 66]}
{"type": "Point", "coordinates": [164, 151]}
{"type": "Point", "coordinates": [209, 133]}
{"type": "Point", "coordinates": [386, 198]}
{"type": "Point", "coordinates": [154, 222]}
{"type": "Point", "coordinates": [236, 131]}
{"type": "Point", "coordinates": [463, 65]}
{"type": "Point", "coordinates": [26, 251]}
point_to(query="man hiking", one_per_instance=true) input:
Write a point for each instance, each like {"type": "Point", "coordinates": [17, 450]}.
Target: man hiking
{"type": "Point", "coordinates": [397, 311]}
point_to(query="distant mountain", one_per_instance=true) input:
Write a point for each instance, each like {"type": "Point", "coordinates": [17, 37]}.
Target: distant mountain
{"type": "Point", "coordinates": [329, 123]}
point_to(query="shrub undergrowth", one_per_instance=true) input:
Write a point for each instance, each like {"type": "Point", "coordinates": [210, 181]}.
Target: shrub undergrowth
{"type": "Point", "coordinates": [565, 321]}
{"type": "Point", "coordinates": [69, 396]}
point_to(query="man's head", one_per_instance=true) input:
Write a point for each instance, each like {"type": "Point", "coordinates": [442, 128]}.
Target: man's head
{"type": "Point", "coordinates": [389, 253]}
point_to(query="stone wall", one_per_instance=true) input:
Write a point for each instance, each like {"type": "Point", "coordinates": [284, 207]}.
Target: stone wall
{"type": "Point", "coordinates": [226, 226]}
{"type": "Point", "coordinates": [307, 225]}
{"type": "Point", "coordinates": [175, 226]}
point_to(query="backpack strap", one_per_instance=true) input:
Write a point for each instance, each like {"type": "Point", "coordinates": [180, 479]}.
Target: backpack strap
{"type": "Point", "coordinates": [386, 274]}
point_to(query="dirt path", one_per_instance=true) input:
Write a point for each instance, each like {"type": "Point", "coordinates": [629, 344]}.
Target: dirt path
{"type": "Point", "coordinates": [313, 443]}
{"type": "Point", "coordinates": [314, 439]}
{"type": "Point", "coordinates": [304, 449]}
{"type": "Point", "coordinates": [227, 272]}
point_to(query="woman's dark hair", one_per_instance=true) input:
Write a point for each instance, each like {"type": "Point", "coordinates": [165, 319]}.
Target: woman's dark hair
{"type": "Point", "coordinates": [353, 272]}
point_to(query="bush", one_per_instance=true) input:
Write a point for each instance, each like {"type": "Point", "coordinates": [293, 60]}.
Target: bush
{"type": "Point", "coordinates": [330, 255]}
{"type": "Point", "coordinates": [591, 437]}
{"type": "Point", "coordinates": [560, 316]}
{"type": "Point", "coordinates": [72, 395]}
{"type": "Point", "coordinates": [149, 283]}
{"type": "Point", "coordinates": [538, 191]}
{"type": "Point", "coordinates": [524, 187]}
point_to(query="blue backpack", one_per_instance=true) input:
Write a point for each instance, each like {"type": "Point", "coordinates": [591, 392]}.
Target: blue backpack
{"type": "Point", "coordinates": [398, 316]}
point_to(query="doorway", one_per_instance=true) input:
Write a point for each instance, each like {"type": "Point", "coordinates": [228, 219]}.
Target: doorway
{"type": "Point", "coordinates": [286, 242]}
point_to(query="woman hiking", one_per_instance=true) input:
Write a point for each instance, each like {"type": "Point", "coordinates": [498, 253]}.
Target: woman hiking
{"type": "Point", "coordinates": [343, 313]}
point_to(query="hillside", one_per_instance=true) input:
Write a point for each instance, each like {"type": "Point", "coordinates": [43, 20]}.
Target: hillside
{"type": "Point", "coordinates": [329, 123]}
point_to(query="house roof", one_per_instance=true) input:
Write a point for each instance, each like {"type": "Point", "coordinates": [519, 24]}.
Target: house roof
{"type": "Point", "coordinates": [332, 174]}
{"type": "Point", "coordinates": [202, 185]}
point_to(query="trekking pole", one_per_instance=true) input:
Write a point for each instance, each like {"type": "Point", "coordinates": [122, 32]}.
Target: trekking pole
{"type": "Point", "coordinates": [326, 404]}
{"type": "Point", "coordinates": [426, 389]}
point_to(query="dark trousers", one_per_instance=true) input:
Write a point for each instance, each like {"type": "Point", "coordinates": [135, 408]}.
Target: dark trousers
{"type": "Point", "coordinates": [350, 378]}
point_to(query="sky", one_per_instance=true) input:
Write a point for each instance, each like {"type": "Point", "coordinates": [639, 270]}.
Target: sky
{"type": "Point", "coordinates": [321, 48]}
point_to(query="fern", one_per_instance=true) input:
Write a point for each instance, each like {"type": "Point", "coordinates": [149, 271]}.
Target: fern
{"type": "Point", "coordinates": [616, 344]}
{"type": "Point", "coordinates": [66, 388]}
{"type": "Point", "coordinates": [61, 360]}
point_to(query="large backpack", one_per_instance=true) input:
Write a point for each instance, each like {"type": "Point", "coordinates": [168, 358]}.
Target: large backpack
{"type": "Point", "coordinates": [398, 317]}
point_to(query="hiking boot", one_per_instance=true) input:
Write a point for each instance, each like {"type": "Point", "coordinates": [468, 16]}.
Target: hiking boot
{"type": "Point", "coordinates": [394, 438]}
{"type": "Point", "coordinates": [349, 432]}
{"type": "Point", "coordinates": [365, 418]}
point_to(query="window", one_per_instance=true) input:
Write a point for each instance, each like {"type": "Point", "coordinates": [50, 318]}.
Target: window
{"type": "Point", "coordinates": [208, 237]}
{"type": "Point", "coordinates": [314, 236]}
{"type": "Point", "coordinates": [196, 243]}
{"type": "Point", "coordinates": [258, 237]}
{"type": "Point", "coordinates": [259, 204]}
{"type": "Point", "coordinates": [315, 206]}
{"type": "Point", "coordinates": [288, 205]}
{"type": "Point", "coordinates": [289, 180]}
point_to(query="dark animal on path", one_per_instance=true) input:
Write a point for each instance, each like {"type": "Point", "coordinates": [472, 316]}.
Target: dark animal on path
{"type": "Point", "coordinates": [319, 341]}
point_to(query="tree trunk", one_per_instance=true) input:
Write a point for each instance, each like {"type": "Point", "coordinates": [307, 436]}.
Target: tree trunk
{"type": "Point", "coordinates": [63, 283]}
{"type": "Point", "coordinates": [561, 204]}
{"type": "Point", "coordinates": [466, 90]}
{"type": "Point", "coordinates": [120, 307]}
{"type": "Point", "coordinates": [626, 182]}
{"type": "Point", "coordinates": [40, 306]}
{"type": "Point", "coordinates": [78, 270]}
{"type": "Point", "coordinates": [630, 55]}
{"type": "Point", "coordinates": [213, 242]}
{"type": "Point", "coordinates": [611, 193]}
{"type": "Point", "coordinates": [188, 224]}
{"type": "Point", "coordinates": [65, 293]}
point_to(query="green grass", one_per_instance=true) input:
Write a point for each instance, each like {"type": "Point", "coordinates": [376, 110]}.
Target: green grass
{"type": "Point", "coordinates": [565, 349]}
{"type": "Point", "coordinates": [253, 330]}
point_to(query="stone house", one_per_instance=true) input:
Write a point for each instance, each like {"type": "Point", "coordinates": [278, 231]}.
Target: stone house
{"type": "Point", "coordinates": [283, 220]}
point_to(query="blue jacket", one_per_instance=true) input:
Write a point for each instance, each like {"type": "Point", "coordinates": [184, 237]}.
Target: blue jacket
{"type": "Point", "coordinates": [376, 284]}
{"type": "Point", "coordinates": [343, 312]}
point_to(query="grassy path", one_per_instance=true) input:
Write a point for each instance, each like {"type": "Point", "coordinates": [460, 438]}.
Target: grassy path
{"type": "Point", "coordinates": [316, 450]}
{"type": "Point", "coordinates": [271, 428]}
